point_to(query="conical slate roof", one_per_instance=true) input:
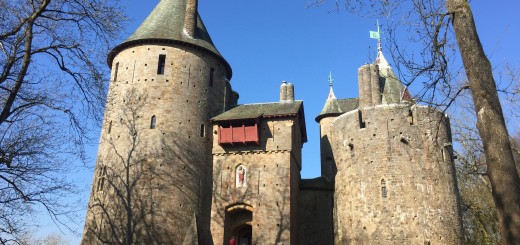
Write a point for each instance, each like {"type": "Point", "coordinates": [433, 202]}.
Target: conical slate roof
{"type": "Point", "coordinates": [334, 107]}
{"type": "Point", "coordinates": [392, 86]}
{"type": "Point", "coordinates": [165, 25]}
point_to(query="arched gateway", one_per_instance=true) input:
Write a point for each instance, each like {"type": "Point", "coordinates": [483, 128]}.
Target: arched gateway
{"type": "Point", "coordinates": [238, 224]}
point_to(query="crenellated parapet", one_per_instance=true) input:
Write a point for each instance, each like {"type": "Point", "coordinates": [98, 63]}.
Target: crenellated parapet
{"type": "Point", "coordinates": [395, 178]}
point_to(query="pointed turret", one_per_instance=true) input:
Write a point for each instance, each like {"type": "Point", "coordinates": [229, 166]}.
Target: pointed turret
{"type": "Point", "coordinates": [393, 89]}
{"type": "Point", "coordinates": [331, 110]}
{"type": "Point", "coordinates": [172, 22]}
{"type": "Point", "coordinates": [334, 107]}
{"type": "Point", "coordinates": [331, 107]}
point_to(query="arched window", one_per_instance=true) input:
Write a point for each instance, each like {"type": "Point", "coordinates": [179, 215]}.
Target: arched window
{"type": "Point", "coordinates": [152, 122]}
{"type": "Point", "coordinates": [202, 130]}
{"type": "Point", "coordinates": [102, 178]}
{"type": "Point", "coordinates": [384, 191]}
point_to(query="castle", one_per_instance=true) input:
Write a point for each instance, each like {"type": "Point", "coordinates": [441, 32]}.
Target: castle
{"type": "Point", "coordinates": [181, 162]}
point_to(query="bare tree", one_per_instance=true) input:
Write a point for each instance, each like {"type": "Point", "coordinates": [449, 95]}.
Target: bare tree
{"type": "Point", "coordinates": [52, 89]}
{"type": "Point", "coordinates": [445, 30]}
{"type": "Point", "coordinates": [501, 169]}
{"type": "Point", "coordinates": [479, 217]}
{"type": "Point", "coordinates": [478, 209]}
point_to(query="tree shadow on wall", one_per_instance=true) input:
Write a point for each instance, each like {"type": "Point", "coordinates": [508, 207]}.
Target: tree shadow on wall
{"type": "Point", "coordinates": [144, 190]}
{"type": "Point", "coordinates": [235, 207]}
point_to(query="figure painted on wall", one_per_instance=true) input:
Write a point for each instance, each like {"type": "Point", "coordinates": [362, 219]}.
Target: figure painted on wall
{"type": "Point", "coordinates": [241, 176]}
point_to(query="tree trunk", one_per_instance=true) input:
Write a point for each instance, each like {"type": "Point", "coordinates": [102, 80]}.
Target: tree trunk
{"type": "Point", "coordinates": [501, 167]}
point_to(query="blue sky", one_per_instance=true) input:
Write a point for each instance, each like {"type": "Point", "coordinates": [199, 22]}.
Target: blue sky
{"type": "Point", "coordinates": [267, 42]}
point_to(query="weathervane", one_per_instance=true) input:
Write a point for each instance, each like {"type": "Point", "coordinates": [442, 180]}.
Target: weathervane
{"type": "Point", "coordinates": [330, 79]}
{"type": "Point", "coordinates": [377, 35]}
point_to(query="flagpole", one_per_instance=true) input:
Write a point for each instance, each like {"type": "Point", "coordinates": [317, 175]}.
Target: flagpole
{"type": "Point", "coordinates": [379, 46]}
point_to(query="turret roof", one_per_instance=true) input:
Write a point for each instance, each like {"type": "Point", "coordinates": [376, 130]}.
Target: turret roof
{"type": "Point", "coordinates": [165, 25]}
{"type": "Point", "coordinates": [392, 86]}
{"type": "Point", "coordinates": [335, 107]}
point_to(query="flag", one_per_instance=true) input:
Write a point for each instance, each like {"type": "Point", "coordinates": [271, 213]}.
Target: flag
{"type": "Point", "coordinates": [374, 34]}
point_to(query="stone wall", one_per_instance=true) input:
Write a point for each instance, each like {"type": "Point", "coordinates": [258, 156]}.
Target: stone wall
{"type": "Point", "coordinates": [396, 181]}
{"type": "Point", "coordinates": [316, 205]}
{"type": "Point", "coordinates": [156, 144]}
{"type": "Point", "coordinates": [328, 164]}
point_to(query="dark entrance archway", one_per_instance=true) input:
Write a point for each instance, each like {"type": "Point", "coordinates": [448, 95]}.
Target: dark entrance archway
{"type": "Point", "coordinates": [243, 234]}
{"type": "Point", "coordinates": [238, 225]}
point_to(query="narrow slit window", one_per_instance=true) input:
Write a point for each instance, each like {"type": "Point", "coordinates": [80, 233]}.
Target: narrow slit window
{"type": "Point", "coordinates": [116, 70]}
{"type": "Point", "coordinates": [410, 117]}
{"type": "Point", "coordinates": [211, 76]}
{"type": "Point", "coordinates": [110, 127]}
{"type": "Point", "coordinates": [202, 130]}
{"type": "Point", "coordinates": [153, 122]}
{"type": "Point", "coordinates": [362, 124]}
{"type": "Point", "coordinates": [162, 62]}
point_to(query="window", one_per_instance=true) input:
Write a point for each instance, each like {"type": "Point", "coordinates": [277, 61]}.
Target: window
{"type": "Point", "coordinates": [152, 122]}
{"type": "Point", "coordinates": [160, 66]}
{"type": "Point", "coordinates": [202, 130]}
{"type": "Point", "coordinates": [211, 76]}
{"type": "Point", "coordinates": [362, 124]}
{"type": "Point", "coordinates": [102, 178]}
{"type": "Point", "coordinates": [110, 127]}
{"type": "Point", "coordinates": [410, 117]}
{"type": "Point", "coordinates": [116, 71]}
{"type": "Point", "coordinates": [384, 191]}
{"type": "Point", "coordinates": [239, 132]}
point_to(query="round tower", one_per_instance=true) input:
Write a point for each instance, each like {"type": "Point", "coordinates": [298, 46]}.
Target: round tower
{"type": "Point", "coordinates": [395, 180]}
{"type": "Point", "coordinates": [153, 177]}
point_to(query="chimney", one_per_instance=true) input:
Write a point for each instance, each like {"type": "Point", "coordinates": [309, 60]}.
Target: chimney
{"type": "Point", "coordinates": [365, 96]}
{"type": "Point", "coordinates": [375, 85]}
{"type": "Point", "coordinates": [286, 92]}
{"type": "Point", "coordinates": [290, 92]}
{"type": "Point", "coordinates": [283, 91]}
{"type": "Point", "coordinates": [369, 88]}
{"type": "Point", "coordinates": [190, 18]}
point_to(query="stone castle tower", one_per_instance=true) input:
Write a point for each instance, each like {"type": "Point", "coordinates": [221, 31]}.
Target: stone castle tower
{"type": "Point", "coordinates": [153, 174]}
{"type": "Point", "coordinates": [180, 162]}
{"type": "Point", "coordinates": [391, 164]}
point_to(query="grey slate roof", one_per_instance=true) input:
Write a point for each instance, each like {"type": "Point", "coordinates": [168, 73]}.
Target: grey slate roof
{"type": "Point", "coordinates": [250, 111]}
{"type": "Point", "coordinates": [335, 107]}
{"type": "Point", "coordinates": [392, 86]}
{"type": "Point", "coordinates": [165, 25]}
